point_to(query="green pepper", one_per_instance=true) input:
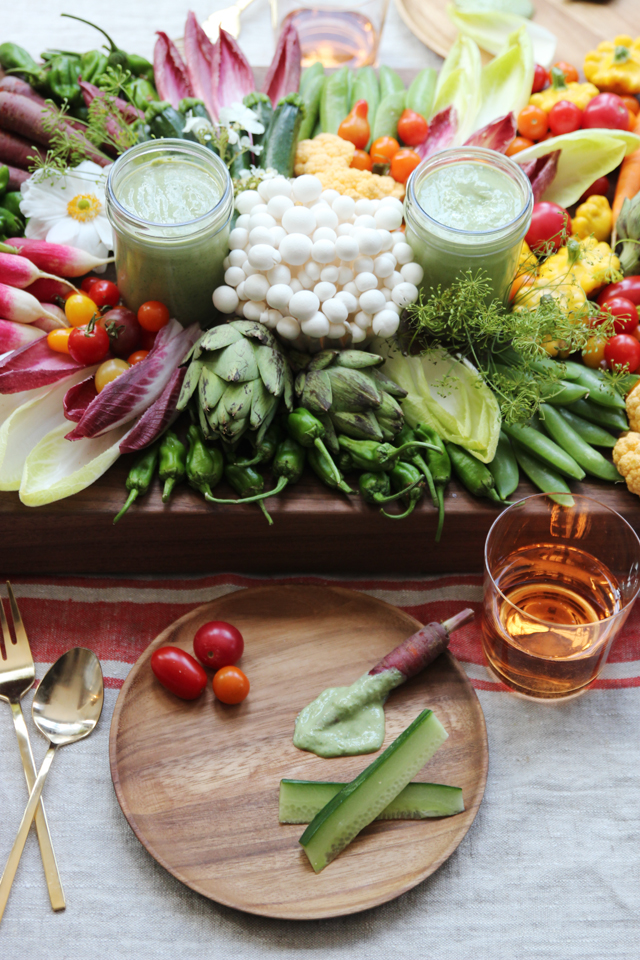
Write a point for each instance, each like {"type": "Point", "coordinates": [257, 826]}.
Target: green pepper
{"type": "Point", "coordinates": [376, 488]}
{"type": "Point", "coordinates": [408, 481]}
{"type": "Point", "coordinates": [11, 200]}
{"type": "Point", "coordinates": [439, 464]}
{"type": "Point", "coordinates": [93, 64]}
{"type": "Point", "coordinates": [173, 463]}
{"type": "Point", "coordinates": [10, 225]}
{"type": "Point", "coordinates": [373, 456]}
{"type": "Point", "coordinates": [4, 177]}
{"type": "Point", "coordinates": [140, 66]}
{"type": "Point", "coordinates": [473, 474]}
{"type": "Point", "coordinates": [204, 465]}
{"type": "Point", "coordinates": [264, 448]}
{"type": "Point", "coordinates": [141, 92]}
{"type": "Point", "coordinates": [318, 464]}
{"type": "Point", "coordinates": [116, 57]}
{"type": "Point", "coordinates": [140, 477]}
{"type": "Point", "coordinates": [249, 484]}
{"type": "Point", "coordinates": [62, 78]}
{"type": "Point", "coordinates": [407, 435]}
{"type": "Point", "coordinates": [309, 432]}
{"type": "Point", "coordinates": [14, 58]}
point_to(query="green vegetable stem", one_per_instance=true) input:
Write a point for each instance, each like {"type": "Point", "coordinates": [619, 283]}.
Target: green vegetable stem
{"type": "Point", "coordinates": [249, 485]}
{"type": "Point", "coordinates": [4, 177]}
{"type": "Point", "coordinates": [376, 488]}
{"type": "Point", "coordinates": [439, 464]}
{"type": "Point", "coordinates": [473, 474]}
{"type": "Point", "coordinates": [309, 432]}
{"type": "Point", "coordinates": [376, 457]}
{"type": "Point", "coordinates": [116, 57]}
{"type": "Point", "coordinates": [319, 465]}
{"type": "Point", "coordinates": [204, 465]}
{"type": "Point", "coordinates": [140, 476]}
{"type": "Point", "coordinates": [264, 448]}
{"type": "Point", "coordinates": [311, 85]}
{"type": "Point", "coordinates": [334, 100]}
{"type": "Point", "coordinates": [407, 480]}
{"type": "Point", "coordinates": [407, 435]}
{"type": "Point", "coordinates": [172, 463]}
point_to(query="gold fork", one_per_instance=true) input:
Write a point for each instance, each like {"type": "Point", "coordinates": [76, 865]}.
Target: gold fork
{"type": "Point", "coordinates": [17, 675]}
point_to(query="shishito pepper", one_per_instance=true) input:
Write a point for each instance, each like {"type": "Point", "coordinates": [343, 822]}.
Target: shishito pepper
{"type": "Point", "coordinates": [93, 64]}
{"type": "Point", "coordinates": [309, 432]}
{"type": "Point", "coordinates": [579, 93]}
{"type": "Point", "coordinates": [439, 464]}
{"type": "Point", "coordinates": [323, 471]}
{"type": "Point", "coordinates": [140, 476]}
{"type": "Point", "coordinates": [414, 456]}
{"type": "Point", "coordinates": [473, 474]}
{"type": "Point", "coordinates": [593, 218]}
{"type": "Point", "coordinates": [376, 487]}
{"type": "Point", "coordinates": [376, 457]}
{"type": "Point", "coordinates": [204, 465]}
{"type": "Point", "coordinates": [409, 483]}
{"type": "Point", "coordinates": [172, 463]}
{"type": "Point", "coordinates": [62, 78]}
{"type": "Point", "coordinates": [614, 66]}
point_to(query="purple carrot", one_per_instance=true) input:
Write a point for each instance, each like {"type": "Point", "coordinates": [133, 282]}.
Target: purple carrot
{"type": "Point", "coordinates": [541, 172]}
{"type": "Point", "coordinates": [17, 151]}
{"type": "Point", "coordinates": [421, 648]}
{"type": "Point", "coordinates": [20, 306]}
{"type": "Point", "coordinates": [90, 92]}
{"type": "Point", "coordinates": [26, 117]}
{"type": "Point", "coordinates": [17, 176]}
{"type": "Point", "coordinates": [14, 335]}
{"type": "Point", "coordinates": [199, 55]}
{"type": "Point", "coordinates": [283, 75]}
{"type": "Point", "coordinates": [138, 387]}
{"type": "Point", "coordinates": [157, 417]}
{"type": "Point", "coordinates": [34, 365]}
{"type": "Point", "coordinates": [77, 399]}
{"type": "Point", "coordinates": [18, 271]}
{"type": "Point", "coordinates": [172, 79]}
{"type": "Point", "coordinates": [232, 76]}
{"type": "Point", "coordinates": [12, 84]}
{"type": "Point", "coordinates": [56, 258]}
{"type": "Point", "coordinates": [496, 135]}
{"type": "Point", "coordinates": [46, 290]}
{"type": "Point", "coordinates": [442, 130]}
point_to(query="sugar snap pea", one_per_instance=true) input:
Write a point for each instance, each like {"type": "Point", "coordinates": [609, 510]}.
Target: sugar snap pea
{"type": "Point", "coordinates": [390, 82]}
{"type": "Point", "coordinates": [545, 449]}
{"type": "Point", "coordinates": [334, 100]}
{"type": "Point", "coordinates": [599, 390]}
{"type": "Point", "coordinates": [591, 432]}
{"type": "Point", "coordinates": [388, 114]}
{"type": "Point", "coordinates": [543, 477]}
{"type": "Point", "coordinates": [311, 86]}
{"type": "Point", "coordinates": [603, 416]}
{"type": "Point", "coordinates": [504, 467]}
{"type": "Point", "coordinates": [421, 93]}
{"type": "Point", "coordinates": [563, 391]}
{"type": "Point", "coordinates": [563, 433]}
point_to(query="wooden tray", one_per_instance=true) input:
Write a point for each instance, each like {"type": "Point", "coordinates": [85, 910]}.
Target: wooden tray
{"type": "Point", "coordinates": [198, 781]}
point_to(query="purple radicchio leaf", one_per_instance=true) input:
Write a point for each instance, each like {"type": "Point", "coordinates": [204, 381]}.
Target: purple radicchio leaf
{"type": "Point", "coordinates": [171, 77]}
{"type": "Point", "coordinates": [199, 56]}
{"type": "Point", "coordinates": [541, 172]}
{"type": "Point", "coordinates": [157, 417]}
{"type": "Point", "coordinates": [77, 399]}
{"type": "Point", "coordinates": [232, 76]}
{"type": "Point", "coordinates": [496, 135]}
{"type": "Point", "coordinates": [35, 365]}
{"type": "Point", "coordinates": [283, 75]}
{"type": "Point", "coordinates": [442, 130]}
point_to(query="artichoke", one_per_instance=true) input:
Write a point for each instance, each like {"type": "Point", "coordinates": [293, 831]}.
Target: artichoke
{"type": "Point", "coordinates": [349, 394]}
{"type": "Point", "coordinates": [236, 376]}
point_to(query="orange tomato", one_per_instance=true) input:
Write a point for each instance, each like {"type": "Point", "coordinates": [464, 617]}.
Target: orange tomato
{"type": "Point", "coordinates": [384, 149]}
{"type": "Point", "coordinates": [593, 353]}
{"type": "Point", "coordinates": [58, 340]}
{"type": "Point", "coordinates": [403, 164]}
{"type": "Point", "coordinates": [355, 126]}
{"type": "Point", "coordinates": [632, 104]}
{"type": "Point", "coordinates": [137, 357]}
{"type": "Point", "coordinates": [230, 685]}
{"type": "Point", "coordinates": [518, 144]}
{"type": "Point", "coordinates": [533, 123]}
{"type": "Point", "coordinates": [153, 315]}
{"type": "Point", "coordinates": [522, 280]}
{"type": "Point", "coordinates": [570, 72]}
{"type": "Point", "coordinates": [361, 160]}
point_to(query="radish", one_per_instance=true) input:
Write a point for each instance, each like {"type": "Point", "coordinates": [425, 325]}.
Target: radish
{"type": "Point", "coordinates": [54, 314]}
{"type": "Point", "coordinates": [55, 258]}
{"type": "Point", "coordinates": [21, 306]}
{"type": "Point", "coordinates": [17, 271]}
{"type": "Point", "coordinates": [26, 117]}
{"type": "Point", "coordinates": [47, 324]}
{"type": "Point", "coordinates": [46, 291]}
{"type": "Point", "coordinates": [17, 150]}
{"type": "Point", "coordinates": [14, 335]}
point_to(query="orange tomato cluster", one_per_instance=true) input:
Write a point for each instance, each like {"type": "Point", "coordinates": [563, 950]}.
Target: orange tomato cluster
{"type": "Point", "coordinates": [385, 156]}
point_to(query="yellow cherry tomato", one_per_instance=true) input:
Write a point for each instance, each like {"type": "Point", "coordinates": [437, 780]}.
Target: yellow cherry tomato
{"type": "Point", "coordinates": [593, 353]}
{"type": "Point", "coordinates": [58, 340]}
{"type": "Point", "coordinates": [108, 371]}
{"type": "Point", "coordinates": [79, 309]}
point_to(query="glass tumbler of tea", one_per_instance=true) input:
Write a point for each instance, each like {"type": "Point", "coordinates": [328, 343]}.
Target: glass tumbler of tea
{"type": "Point", "coordinates": [559, 585]}
{"type": "Point", "coordinates": [336, 33]}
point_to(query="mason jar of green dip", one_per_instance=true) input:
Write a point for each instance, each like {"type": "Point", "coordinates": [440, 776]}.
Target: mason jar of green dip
{"type": "Point", "coordinates": [170, 204]}
{"type": "Point", "coordinates": [468, 209]}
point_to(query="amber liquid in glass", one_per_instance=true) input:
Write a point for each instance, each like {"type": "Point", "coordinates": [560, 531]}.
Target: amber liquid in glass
{"type": "Point", "coordinates": [336, 38]}
{"type": "Point", "coordinates": [565, 588]}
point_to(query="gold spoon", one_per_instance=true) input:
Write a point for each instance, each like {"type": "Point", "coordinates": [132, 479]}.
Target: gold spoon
{"type": "Point", "coordinates": [228, 19]}
{"type": "Point", "coordinates": [66, 708]}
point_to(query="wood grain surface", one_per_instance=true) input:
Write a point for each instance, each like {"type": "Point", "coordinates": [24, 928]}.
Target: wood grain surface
{"type": "Point", "coordinates": [198, 781]}
{"type": "Point", "coordinates": [579, 27]}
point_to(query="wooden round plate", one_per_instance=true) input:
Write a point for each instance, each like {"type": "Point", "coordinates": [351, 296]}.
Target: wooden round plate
{"type": "Point", "coordinates": [198, 781]}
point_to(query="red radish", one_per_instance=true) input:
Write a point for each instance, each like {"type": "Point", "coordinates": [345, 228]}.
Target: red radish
{"type": "Point", "coordinates": [21, 306]}
{"type": "Point", "coordinates": [18, 271]}
{"type": "Point", "coordinates": [55, 314]}
{"type": "Point", "coordinates": [16, 85]}
{"type": "Point", "coordinates": [55, 258]}
{"type": "Point", "coordinates": [14, 335]}
{"type": "Point", "coordinates": [47, 290]}
{"type": "Point", "coordinates": [34, 365]}
{"type": "Point", "coordinates": [47, 324]}
{"type": "Point", "coordinates": [16, 177]}
{"type": "Point", "coordinates": [17, 150]}
{"type": "Point", "coordinates": [157, 417]}
{"type": "Point", "coordinates": [30, 119]}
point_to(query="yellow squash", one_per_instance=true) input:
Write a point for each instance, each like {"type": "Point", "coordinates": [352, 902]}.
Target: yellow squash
{"type": "Point", "coordinates": [614, 66]}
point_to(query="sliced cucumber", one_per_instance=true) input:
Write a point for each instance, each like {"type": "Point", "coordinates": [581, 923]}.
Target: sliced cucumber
{"type": "Point", "coordinates": [302, 800]}
{"type": "Point", "coordinates": [360, 802]}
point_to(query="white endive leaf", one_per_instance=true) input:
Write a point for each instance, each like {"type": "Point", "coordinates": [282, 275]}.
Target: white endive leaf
{"type": "Point", "coordinates": [491, 31]}
{"type": "Point", "coordinates": [506, 81]}
{"type": "Point", "coordinates": [459, 86]}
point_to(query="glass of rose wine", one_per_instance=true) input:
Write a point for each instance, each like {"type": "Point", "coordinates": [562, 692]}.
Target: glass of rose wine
{"type": "Point", "coordinates": [559, 585]}
{"type": "Point", "coordinates": [336, 33]}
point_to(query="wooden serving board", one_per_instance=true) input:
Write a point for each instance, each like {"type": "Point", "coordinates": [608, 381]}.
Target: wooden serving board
{"type": "Point", "coordinates": [579, 27]}
{"type": "Point", "coordinates": [198, 781]}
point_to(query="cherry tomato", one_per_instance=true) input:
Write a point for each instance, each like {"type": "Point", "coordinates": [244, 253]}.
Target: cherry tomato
{"type": "Point", "coordinates": [550, 226]}
{"type": "Point", "coordinates": [108, 371]}
{"type": "Point", "coordinates": [147, 339]}
{"type": "Point", "coordinates": [522, 281]}
{"type": "Point", "coordinates": [564, 117]}
{"type": "Point", "coordinates": [88, 346]}
{"type": "Point", "coordinates": [153, 315]}
{"type": "Point", "coordinates": [606, 110]}
{"type": "Point", "coordinates": [104, 293]}
{"type": "Point", "coordinates": [518, 144]}
{"type": "Point", "coordinates": [79, 309]}
{"type": "Point", "coordinates": [124, 330]}
{"type": "Point", "coordinates": [412, 128]}
{"type": "Point", "coordinates": [632, 104]}
{"type": "Point", "coordinates": [178, 672]}
{"type": "Point", "coordinates": [88, 282]}
{"type": "Point", "coordinates": [355, 126]}
{"type": "Point", "coordinates": [540, 79]}
{"type": "Point", "coordinates": [137, 357]}
{"type": "Point", "coordinates": [532, 122]}
{"type": "Point", "coordinates": [403, 164]}
{"type": "Point", "coordinates": [593, 353]}
{"type": "Point", "coordinates": [218, 644]}
{"type": "Point", "coordinates": [58, 340]}
{"type": "Point", "coordinates": [629, 288]}
{"type": "Point", "coordinates": [623, 351]}
{"type": "Point", "coordinates": [599, 188]}
{"type": "Point", "coordinates": [624, 313]}
{"type": "Point", "coordinates": [231, 685]}
{"type": "Point", "coordinates": [635, 333]}
{"type": "Point", "coordinates": [570, 72]}
{"type": "Point", "coordinates": [384, 149]}
{"type": "Point", "coordinates": [361, 160]}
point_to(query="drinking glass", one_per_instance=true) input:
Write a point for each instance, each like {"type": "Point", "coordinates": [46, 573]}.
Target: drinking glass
{"type": "Point", "coordinates": [559, 585]}
{"type": "Point", "coordinates": [337, 34]}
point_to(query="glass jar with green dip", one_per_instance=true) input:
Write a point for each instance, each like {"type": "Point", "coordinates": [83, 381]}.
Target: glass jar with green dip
{"type": "Point", "coordinates": [468, 209]}
{"type": "Point", "coordinates": [170, 204]}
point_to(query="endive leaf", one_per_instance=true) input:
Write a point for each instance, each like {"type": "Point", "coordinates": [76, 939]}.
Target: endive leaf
{"type": "Point", "coordinates": [459, 86]}
{"type": "Point", "coordinates": [506, 80]}
{"type": "Point", "coordinates": [491, 30]}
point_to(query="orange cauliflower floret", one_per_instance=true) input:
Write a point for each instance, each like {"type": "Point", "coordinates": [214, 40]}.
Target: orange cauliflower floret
{"type": "Point", "coordinates": [327, 157]}
{"type": "Point", "coordinates": [626, 457]}
{"type": "Point", "coordinates": [633, 407]}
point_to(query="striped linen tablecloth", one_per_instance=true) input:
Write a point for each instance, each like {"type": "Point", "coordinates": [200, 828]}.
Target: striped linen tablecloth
{"type": "Point", "coordinates": [549, 869]}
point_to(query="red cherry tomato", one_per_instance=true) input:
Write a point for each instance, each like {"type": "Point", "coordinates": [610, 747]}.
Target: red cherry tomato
{"type": "Point", "coordinates": [599, 188]}
{"type": "Point", "coordinates": [412, 128]}
{"type": "Point", "coordinates": [564, 117]}
{"type": "Point", "coordinates": [218, 644]}
{"type": "Point", "coordinates": [137, 357]}
{"type": "Point", "coordinates": [88, 346]}
{"type": "Point", "coordinates": [570, 72]}
{"type": "Point", "coordinates": [104, 293]}
{"type": "Point", "coordinates": [624, 313]}
{"type": "Point", "coordinates": [606, 110]}
{"type": "Point", "coordinates": [540, 79]}
{"type": "Point", "coordinates": [623, 351]}
{"type": "Point", "coordinates": [153, 315]}
{"type": "Point", "coordinates": [88, 282]}
{"type": "Point", "coordinates": [178, 672]}
{"type": "Point", "coordinates": [231, 685]}
{"type": "Point", "coordinates": [403, 164]}
{"type": "Point", "coordinates": [550, 226]}
{"type": "Point", "coordinates": [124, 331]}
{"type": "Point", "coordinates": [361, 160]}
{"type": "Point", "coordinates": [517, 145]}
{"type": "Point", "coordinates": [147, 339]}
{"type": "Point", "coordinates": [629, 288]}
{"type": "Point", "coordinates": [533, 122]}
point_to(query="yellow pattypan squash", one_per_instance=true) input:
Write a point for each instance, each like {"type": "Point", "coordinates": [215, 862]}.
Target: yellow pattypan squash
{"type": "Point", "coordinates": [614, 66]}
{"type": "Point", "coordinates": [593, 217]}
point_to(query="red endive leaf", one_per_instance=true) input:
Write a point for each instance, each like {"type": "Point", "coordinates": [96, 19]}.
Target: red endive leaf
{"type": "Point", "coordinates": [172, 80]}
{"type": "Point", "coordinates": [34, 365]}
{"type": "Point", "coordinates": [497, 135]}
{"type": "Point", "coordinates": [541, 173]}
{"type": "Point", "coordinates": [199, 55]}
{"type": "Point", "coordinates": [442, 130]}
{"type": "Point", "coordinates": [157, 417]}
{"type": "Point", "coordinates": [232, 75]}
{"type": "Point", "coordinates": [283, 76]}
{"type": "Point", "coordinates": [77, 399]}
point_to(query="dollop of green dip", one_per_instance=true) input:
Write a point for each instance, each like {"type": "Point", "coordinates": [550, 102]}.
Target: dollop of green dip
{"type": "Point", "coordinates": [168, 190]}
{"type": "Point", "coordinates": [470, 196]}
{"type": "Point", "coordinates": [347, 721]}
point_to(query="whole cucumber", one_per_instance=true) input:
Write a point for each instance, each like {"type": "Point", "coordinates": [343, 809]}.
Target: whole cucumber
{"type": "Point", "coordinates": [279, 148]}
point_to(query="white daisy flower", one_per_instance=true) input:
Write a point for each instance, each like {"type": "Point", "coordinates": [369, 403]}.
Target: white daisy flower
{"type": "Point", "coordinates": [69, 209]}
{"type": "Point", "coordinates": [243, 116]}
